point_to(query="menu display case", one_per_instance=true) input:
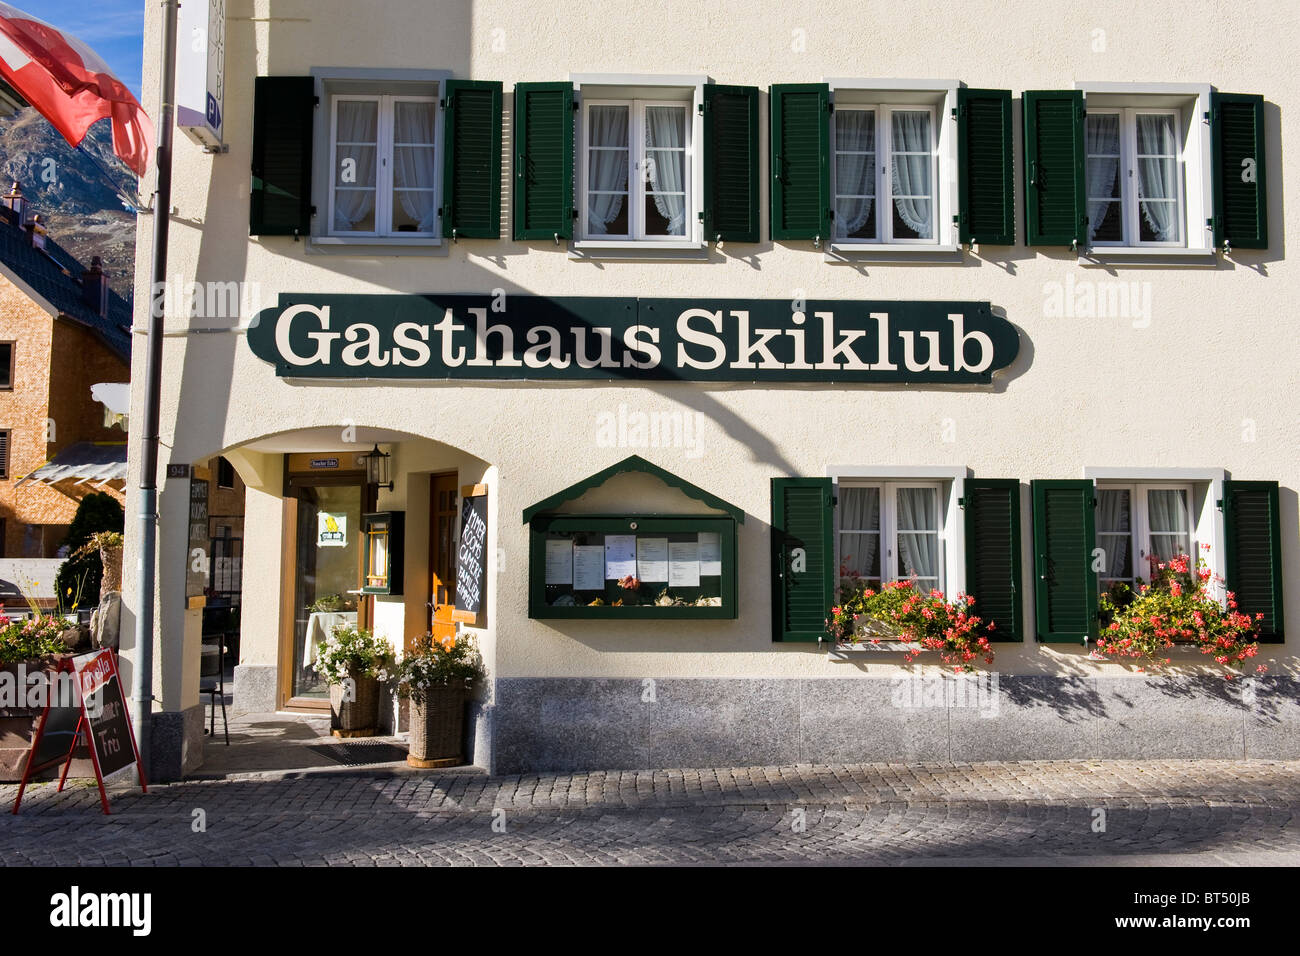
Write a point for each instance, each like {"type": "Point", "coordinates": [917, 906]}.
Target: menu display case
{"type": "Point", "coordinates": [383, 534]}
{"type": "Point", "coordinates": [632, 566]}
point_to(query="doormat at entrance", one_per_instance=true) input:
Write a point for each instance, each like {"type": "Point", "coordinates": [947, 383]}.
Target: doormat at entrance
{"type": "Point", "coordinates": [356, 753]}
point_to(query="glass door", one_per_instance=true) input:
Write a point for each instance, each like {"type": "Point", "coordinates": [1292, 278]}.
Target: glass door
{"type": "Point", "coordinates": [327, 576]}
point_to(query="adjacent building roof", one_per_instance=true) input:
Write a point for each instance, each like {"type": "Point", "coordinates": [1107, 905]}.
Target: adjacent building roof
{"type": "Point", "coordinates": [82, 463]}
{"type": "Point", "coordinates": [55, 275]}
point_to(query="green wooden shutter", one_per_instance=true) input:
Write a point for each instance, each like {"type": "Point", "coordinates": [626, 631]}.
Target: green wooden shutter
{"type": "Point", "coordinates": [799, 139]}
{"type": "Point", "coordinates": [1240, 202]}
{"type": "Point", "coordinates": [283, 112]}
{"type": "Point", "coordinates": [803, 552]}
{"type": "Point", "coordinates": [993, 554]}
{"type": "Point", "coordinates": [985, 168]}
{"type": "Point", "coordinates": [471, 177]}
{"type": "Point", "coordinates": [731, 163]}
{"type": "Point", "coordinates": [1055, 185]}
{"type": "Point", "coordinates": [1065, 587]}
{"type": "Point", "coordinates": [543, 144]}
{"type": "Point", "coordinates": [1254, 552]}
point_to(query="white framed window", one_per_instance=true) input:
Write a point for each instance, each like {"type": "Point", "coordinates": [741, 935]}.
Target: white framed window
{"type": "Point", "coordinates": [384, 161]}
{"type": "Point", "coordinates": [1140, 522]}
{"type": "Point", "coordinates": [638, 170]}
{"type": "Point", "coordinates": [885, 174]}
{"type": "Point", "coordinates": [891, 531]}
{"type": "Point", "coordinates": [1135, 177]}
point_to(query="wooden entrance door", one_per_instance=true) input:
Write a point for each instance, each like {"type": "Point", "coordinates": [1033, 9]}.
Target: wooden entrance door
{"type": "Point", "coordinates": [442, 555]}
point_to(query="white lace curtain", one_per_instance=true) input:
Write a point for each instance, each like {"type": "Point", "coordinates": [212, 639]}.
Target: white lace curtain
{"type": "Point", "coordinates": [1113, 530]}
{"type": "Point", "coordinates": [918, 552]}
{"type": "Point", "coordinates": [665, 139]}
{"type": "Point", "coordinates": [1167, 511]}
{"type": "Point", "coordinates": [357, 135]}
{"type": "Point", "coordinates": [855, 170]}
{"type": "Point", "coordinates": [606, 168]}
{"type": "Point", "coordinates": [1157, 169]}
{"type": "Point", "coordinates": [1102, 137]}
{"type": "Point", "coordinates": [860, 511]}
{"type": "Point", "coordinates": [911, 174]}
{"type": "Point", "coordinates": [413, 165]}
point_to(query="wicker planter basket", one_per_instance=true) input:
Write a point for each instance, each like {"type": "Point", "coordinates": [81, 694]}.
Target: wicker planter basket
{"type": "Point", "coordinates": [438, 724]}
{"type": "Point", "coordinates": [111, 559]}
{"type": "Point", "coordinates": [361, 713]}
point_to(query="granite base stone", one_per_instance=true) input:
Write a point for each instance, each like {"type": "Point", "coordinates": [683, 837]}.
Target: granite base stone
{"type": "Point", "coordinates": [255, 688]}
{"type": "Point", "coordinates": [579, 724]}
{"type": "Point", "coordinates": [175, 743]}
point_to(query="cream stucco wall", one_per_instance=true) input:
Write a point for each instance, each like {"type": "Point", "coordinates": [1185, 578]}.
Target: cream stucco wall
{"type": "Point", "coordinates": [1208, 382]}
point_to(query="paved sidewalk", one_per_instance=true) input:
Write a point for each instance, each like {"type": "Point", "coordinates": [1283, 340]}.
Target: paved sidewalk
{"type": "Point", "coordinates": [1210, 812]}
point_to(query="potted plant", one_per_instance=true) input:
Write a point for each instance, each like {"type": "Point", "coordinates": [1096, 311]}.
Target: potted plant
{"type": "Point", "coordinates": [355, 663]}
{"type": "Point", "coordinates": [899, 611]}
{"type": "Point", "coordinates": [1176, 607]}
{"type": "Point", "coordinates": [28, 647]}
{"type": "Point", "coordinates": [437, 677]}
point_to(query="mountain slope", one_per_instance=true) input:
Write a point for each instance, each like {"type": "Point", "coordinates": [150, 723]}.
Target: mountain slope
{"type": "Point", "coordinates": [77, 200]}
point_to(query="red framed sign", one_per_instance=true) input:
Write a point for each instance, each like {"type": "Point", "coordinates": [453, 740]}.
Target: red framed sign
{"type": "Point", "coordinates": [96, 715]}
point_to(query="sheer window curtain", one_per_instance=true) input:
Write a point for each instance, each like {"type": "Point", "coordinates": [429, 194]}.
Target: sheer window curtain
{"type": "Point", "coordinates": [413, 166]}
{"type": "Point", "coordinates": [918, 554]}
{"type": "Point", "coordinates": [1167, 514]}
{"type": "Point", "coordinates": [665, 137]}
{"type": "Point", "coordinates": [1101, 136]}
{"type": "Point", "coordinates": [855, 170]}
{"type": "Point", "coordinates": [606, 168]}
{"type": "Point", "coordinates": [357, 123]}
{"type": "Point", "coordinates": [1113, 528]}
{"type": "Point", "coordinates": [911, 174]}
{"type": "Point", "coordinates": [1157, 172]}
{"type": "Point", "coordinates": [860, 511]}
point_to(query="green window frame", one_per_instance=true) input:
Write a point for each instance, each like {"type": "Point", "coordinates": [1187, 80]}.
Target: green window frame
{"type": "Point", "coordinates": [471, 190]}
{"type": "Point", "coordinates": [799, 144]}
{"type": "Point", "coordinates": [543, 206]}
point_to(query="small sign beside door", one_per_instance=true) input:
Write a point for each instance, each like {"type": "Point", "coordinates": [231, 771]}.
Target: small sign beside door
{"type": "Point", "coordinates": [331, 530]}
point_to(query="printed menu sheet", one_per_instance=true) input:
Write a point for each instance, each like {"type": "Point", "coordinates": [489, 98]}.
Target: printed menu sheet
{"type": "Point", "coordinates": [589, 567]}
{"type": "Point", "coordinates": [710, 553]}
{"type": "Point", "coordinates": [620, 556]}
{"type": "Point", "coordinates": [652, 559]}
{"type": "Point", "coordinates": [683, 564]}
{"type": "Point", "coordinates": [559, 561]}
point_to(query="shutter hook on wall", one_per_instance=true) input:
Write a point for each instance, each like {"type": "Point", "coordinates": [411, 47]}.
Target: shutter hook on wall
{"type": "Point", "coordinates": [718, 240]}
{"type": "Point", "coordinates": [817, 242]}
{"type": "Point", "coordinates": [557, 238]}
{"type": "Point", "coordinates": [453, 235]}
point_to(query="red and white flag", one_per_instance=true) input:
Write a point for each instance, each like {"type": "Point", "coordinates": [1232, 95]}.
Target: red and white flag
{"type": "Point", "coordinates": [68, 84]}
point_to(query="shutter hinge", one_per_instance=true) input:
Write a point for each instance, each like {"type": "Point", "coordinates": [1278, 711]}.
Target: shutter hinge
{"type": "Point", "coordinates": [954, 110]}
{"type": "Point", "coordinates": [313, 210]}
{"type": "Point", "coordinates": [576, 106]}
{"type": "Point", "coordinates": [315, 101]}
{"type": "Point", "coordinates": [700, 215]}
{"type": "Point", "coordinates": [961, 502]}
{"type": "Point", "coordinates": [700, 107]}
{"type": "Point", "coordinates": [1205, 117]}
{"type": "Point", "coordinates": [1218, 503]}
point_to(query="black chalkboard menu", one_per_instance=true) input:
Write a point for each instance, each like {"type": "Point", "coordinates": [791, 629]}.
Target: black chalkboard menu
{"type": "Point", "coordinates": [94, 711]}
{"type": "Point", "coordinates": [196, 551]}
{"type": "Point", "coordinates": [471, 557]}
{"type": "Point", "coordinates": [106, 713]}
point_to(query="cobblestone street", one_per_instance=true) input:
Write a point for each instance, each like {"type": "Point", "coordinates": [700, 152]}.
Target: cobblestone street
{"type": "Point", "coordinates": [1185, 812]}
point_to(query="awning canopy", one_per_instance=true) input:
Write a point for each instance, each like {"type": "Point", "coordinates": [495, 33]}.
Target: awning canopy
{"type": "Point", "coordinates": [82, 463]}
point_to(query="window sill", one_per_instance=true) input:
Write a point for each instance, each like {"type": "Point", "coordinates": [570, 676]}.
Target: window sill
{"type": "Point", "coordinates": [851, 652]}
{"type": "Point", "coordinates": [882, 252]}
{"type": "Point", "coordinates": [683, 249]}
{"type": "Point", "coordinates": [1135, 255]}
{"type": "Point", "coordinates": [375, 246]}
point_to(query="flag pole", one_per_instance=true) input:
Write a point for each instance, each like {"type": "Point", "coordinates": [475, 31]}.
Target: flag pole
{"type": "Point", "coordinates": [142, 674]}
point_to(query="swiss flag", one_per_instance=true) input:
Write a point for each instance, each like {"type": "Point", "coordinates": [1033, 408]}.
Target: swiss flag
{"type": "Point", "coordinates": [68, 84]}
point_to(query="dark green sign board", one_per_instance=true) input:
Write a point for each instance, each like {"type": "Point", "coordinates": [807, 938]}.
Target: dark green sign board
{"type": "Point", "coordinates": [466, 337]}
